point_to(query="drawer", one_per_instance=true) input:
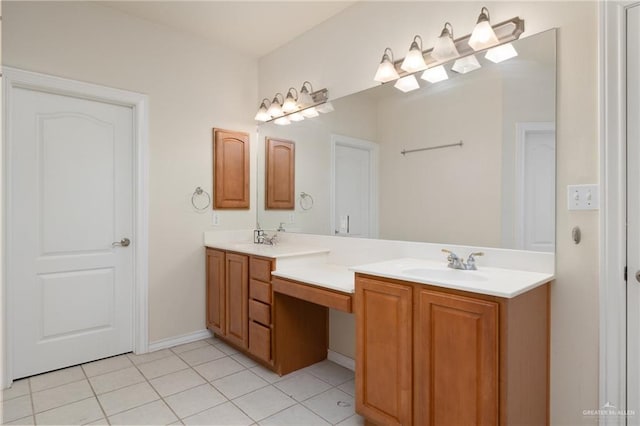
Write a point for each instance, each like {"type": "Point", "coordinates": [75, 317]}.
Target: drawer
{"type": "Point", "coordinates": [260, 341]}
{"type": "Point", "coordinates": [260, 312]}
{"type": "Point", "coordinates": [260, 269]}
{"type": "Point", "coordinates": [320, 296]}
{"type": "Point", "coordinates": [260, 291]}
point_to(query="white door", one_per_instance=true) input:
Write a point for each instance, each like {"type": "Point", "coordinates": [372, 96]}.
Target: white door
{"type": "Point", "coordinates": [633, 206]}
{"type": "Point", "coordinates": [536, 189]}
{"type": "Point", "coordinates": [354, 187]}
{"type": "Point", "coordinates": [70, 197]}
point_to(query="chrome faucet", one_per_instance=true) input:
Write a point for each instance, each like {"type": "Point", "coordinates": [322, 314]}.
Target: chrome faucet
{"type": "Point", "coordinates": [456, 263]}
{"type": "Point", "coordinates": [270, 241]}
{"type": "Point", "coordinates": [281, 227]}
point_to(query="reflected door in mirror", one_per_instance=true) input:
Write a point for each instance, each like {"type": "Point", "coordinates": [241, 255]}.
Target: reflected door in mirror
{"type": "Point", "coordinates": [280, 174]}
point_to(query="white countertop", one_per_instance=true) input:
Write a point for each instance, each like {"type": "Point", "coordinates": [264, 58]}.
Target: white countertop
{"type": "Point", "coordinates": [499, 282]}
{"type": "Point", "coordinates": [265, 250]}
{"type": "Point", "coordinates": [327, 275]}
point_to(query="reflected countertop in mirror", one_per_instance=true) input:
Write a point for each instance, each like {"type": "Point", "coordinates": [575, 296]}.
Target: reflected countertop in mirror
{"type": "Point", "coordinates": [495, 190]}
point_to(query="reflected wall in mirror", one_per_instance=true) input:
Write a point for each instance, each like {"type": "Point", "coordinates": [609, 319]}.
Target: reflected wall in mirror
{"type": "Point", "coordinates": [496, 190]}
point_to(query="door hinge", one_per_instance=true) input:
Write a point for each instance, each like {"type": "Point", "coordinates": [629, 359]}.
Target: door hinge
{"type": "Point", "coordinates": [625, 273]}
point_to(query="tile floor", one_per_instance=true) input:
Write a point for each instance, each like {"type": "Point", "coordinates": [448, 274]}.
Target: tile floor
{"type": "Point", "coordinates": [200, 383]}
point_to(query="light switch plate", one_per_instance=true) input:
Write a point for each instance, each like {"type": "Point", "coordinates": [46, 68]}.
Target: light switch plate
{"type": "Point", "coordinates": [583, 197]}
{"type": "Point", "coordinates": [215, 218]}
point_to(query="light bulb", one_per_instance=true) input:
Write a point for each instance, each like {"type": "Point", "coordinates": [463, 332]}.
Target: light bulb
{"type": "Point", "coordinates": [445, 48]}
{"type": "Point", "coordinates": [483, 35]}
{"type": "Point", "coordinates": [262, 114]}
{"type": "Point", "coordinates": [275, 109]}
{"type": "Point", "coordinates": [414, 61]}
{"type": "Point", "coordinates": [386, 70]}
{"type": "Point", "coordinates": [290, 103]}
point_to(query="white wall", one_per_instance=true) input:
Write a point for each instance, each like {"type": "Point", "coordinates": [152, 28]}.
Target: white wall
{"type": "Point", "coordinates": [192, 86]}
{"type": "Point", "coordinates": [342, 55]}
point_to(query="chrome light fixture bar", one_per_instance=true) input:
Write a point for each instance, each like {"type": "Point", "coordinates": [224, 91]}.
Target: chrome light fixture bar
{"type": "Point", "coordinates": [505, 32]}
{"type": "Point", "coordinates": [295, 106]}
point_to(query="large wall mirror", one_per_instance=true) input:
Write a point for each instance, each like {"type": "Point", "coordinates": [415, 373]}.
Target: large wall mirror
{"type": "Point", "coordinates": [364, 169]}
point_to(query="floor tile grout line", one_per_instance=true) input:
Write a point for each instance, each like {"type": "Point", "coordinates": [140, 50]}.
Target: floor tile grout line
{"type": "Point", "coordinates": [157, 393]}
{"type": "Point", "coordinates": [33, 407]}
{"type": "Point", "coordinates": [95, 395]}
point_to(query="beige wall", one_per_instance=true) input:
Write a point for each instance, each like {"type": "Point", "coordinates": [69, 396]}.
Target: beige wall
{"type": "Point", "coordinates": [192, 87]}
{"type": "Point", "coordinates": [342, 54]}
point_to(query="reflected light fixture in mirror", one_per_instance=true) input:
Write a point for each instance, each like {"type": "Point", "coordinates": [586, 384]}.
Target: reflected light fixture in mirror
{"type": "Point", "coordinates": [434, 75]}
{"type": "Point", "coordinates": [414, 61]}
{"type": "Point", "coordinates": [445, 48]}
{"type": "Point", "coordinates": [282, 121]}
{"type": "Point", "coordinates": [407, 84]}
{"type": "Point", "coordinates": [501, 53]}
{"type": "Point", "coordinates": [466, 64]}
{"type": "Point", "coordinates": [483, 35]}
{"type": "Point", "coordinates": [386, 70]}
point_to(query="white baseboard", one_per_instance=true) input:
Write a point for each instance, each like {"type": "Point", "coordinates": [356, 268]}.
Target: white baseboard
{"type": "Point", "coordinates": [342, 360]}
{"type": "Point", "coordinates": [179, 340]}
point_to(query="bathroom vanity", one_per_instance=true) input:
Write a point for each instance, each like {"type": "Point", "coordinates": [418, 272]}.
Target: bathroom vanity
{"type": "Point", "coordinates": [433, 345]}
{"type": "Point", "coordinates": [432, 354]}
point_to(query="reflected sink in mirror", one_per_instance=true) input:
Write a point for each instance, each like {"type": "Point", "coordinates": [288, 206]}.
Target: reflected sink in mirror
{"type": "Point", "coordinates": [445, 274]}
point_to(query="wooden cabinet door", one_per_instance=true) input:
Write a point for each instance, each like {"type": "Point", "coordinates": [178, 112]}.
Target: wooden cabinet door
{"type": "Point", "coordinates": [216, 294]}
{"type": "Point", "coordinates": [237, 279]}
{"type": "Point", "coordinates": [455, 360]}
{"type": "Point", "coordinates": [231, 169]}
{"type": "Point", "coordinates": [383, 351]}
{"type": "Point", "coordinates": [280, 174]}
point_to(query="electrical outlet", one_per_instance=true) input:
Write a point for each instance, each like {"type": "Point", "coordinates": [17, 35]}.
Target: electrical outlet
{"type": "Point", "coordinates": [292, 218]}
{"type": "Point", "coordinates": [583, 197]}
{"type": "Point", "coordinates": [215, 218]}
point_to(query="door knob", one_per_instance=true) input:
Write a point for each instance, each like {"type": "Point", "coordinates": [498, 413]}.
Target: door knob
{"type": "Point", "coordinates": [638, 276]}
{"type": "Point", "coordinates": [123, 242]}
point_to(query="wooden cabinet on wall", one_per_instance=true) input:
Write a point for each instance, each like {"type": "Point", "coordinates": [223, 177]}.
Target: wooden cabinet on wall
{"type": "Point", "coordinates": [432, 356]}
{"type": "Point", "coordinates": [280, 174]}
{"type": "Point", "coordinates": [231, 169]}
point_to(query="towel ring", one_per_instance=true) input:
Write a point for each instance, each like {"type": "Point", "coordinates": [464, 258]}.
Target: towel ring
{"type": "Point", "coordinates": [199, 192]}
{"type": "Point", "coordinates": [306, 201]}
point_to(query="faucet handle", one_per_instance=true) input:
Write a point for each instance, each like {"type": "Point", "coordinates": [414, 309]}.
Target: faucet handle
{"type": "Point", "coordinates": [478, 253]}
{"type": "Point", "coordinates": [449, 252]}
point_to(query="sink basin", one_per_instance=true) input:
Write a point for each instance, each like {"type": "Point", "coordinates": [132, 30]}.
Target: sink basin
{"type": "Point", "coordinates": [445, 274]}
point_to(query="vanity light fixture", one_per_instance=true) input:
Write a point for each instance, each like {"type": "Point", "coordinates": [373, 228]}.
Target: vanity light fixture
{"type": "Point", "coordinates": [466, 64]}
{"type": "Point", "coordinates": [407, 84]}
{"type": "Point", "coordinates": [483, 35]}
{"type": "Point", "coordinates": [262, 114]}
{"type": "Point", "coordinates": [296, 106]}
{"type": "Point", "coordinates": [414, 61]}
{"type": "Point", "coordinates": [305, 99]}
{"type": "Point", "coordinates": [445, 48]}
{"type": "Point", "coordinates": [386, 70]}
{"type": "Point", "coordinates": [501, 53]}
{"type": "Point", "coordinates": [290, 102]}
{"type": "Point", "coordinates": [275, 109]}
{"type": "Point", "coordinates": [435, 74]}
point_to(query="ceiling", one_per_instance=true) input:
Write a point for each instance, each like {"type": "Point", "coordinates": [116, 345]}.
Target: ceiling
{"type": "Point", "coordinates": [252, 27]}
